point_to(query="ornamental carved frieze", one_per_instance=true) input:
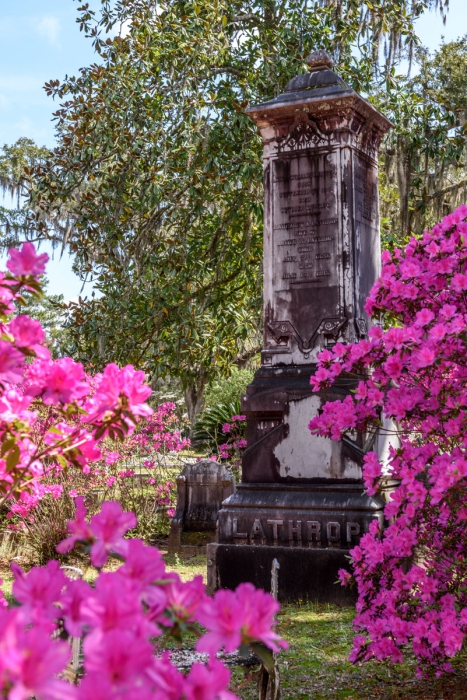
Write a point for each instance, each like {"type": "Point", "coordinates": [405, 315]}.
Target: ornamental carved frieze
{"type": "Point", "coordinates": [303, 133]}
{"type": "Point", "coordinates": [284, 331]}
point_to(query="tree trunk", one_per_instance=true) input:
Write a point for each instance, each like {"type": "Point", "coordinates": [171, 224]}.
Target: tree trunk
{"type": "Point", "coordinates": [194, 398]}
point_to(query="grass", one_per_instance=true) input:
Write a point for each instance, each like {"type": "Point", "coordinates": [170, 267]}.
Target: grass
{"type": "Point", "coordinates": [315, 667]}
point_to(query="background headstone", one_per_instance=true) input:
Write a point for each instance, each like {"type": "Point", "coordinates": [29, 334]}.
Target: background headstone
{"type": "Point", "coordinates": [300, 500]}
{"type": "Point", "coordinates": [201, 488]}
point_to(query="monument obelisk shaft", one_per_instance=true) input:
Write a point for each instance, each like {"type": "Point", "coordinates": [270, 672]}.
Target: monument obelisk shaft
{"type": "Point", "coordinates": [301, 499]}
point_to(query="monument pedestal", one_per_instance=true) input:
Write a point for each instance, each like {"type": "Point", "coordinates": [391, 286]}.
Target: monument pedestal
{"type": "Point", "coordinates": [304, 574]}
{"type": "Point", "coordinates": [302, 499]}
{"type": "Point", "coordinates": [308, 529]}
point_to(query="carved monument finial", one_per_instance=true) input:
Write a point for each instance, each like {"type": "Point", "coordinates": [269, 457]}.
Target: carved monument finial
{"type": "Point", "coordinates": [319, 60]}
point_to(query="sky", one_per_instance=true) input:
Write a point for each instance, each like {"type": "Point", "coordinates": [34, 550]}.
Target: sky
{"type": "Point", "coordinates": [40, 41]}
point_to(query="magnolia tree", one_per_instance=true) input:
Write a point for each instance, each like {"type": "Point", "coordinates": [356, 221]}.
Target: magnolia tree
{"type": "Point", "coordinates": [127, 616]}
{"type": "Point", "coordinates": [411, 576]}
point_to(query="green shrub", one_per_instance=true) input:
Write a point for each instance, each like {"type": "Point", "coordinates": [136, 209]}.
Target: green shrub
{"type": "Point", "coordinates": [228, 390]}
{"type": "Point", "coordinates": [223, 400]}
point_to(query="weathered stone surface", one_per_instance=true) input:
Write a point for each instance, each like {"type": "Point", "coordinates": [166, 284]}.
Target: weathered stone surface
{"type": "Point", "coordinates": [201, 488]}
{"type": "Point", "coordinates": [302, 495]}
{"type": "Point", "coordinates": [304, 574]}
{"type": "Point", "coordinates": [321, 257]}
{"type": "Point", "coordinates": [321, 239]}
{"type": "Point", "coordinates": [318, 515]}
{"type": "Point", "coordinates": [279, 405]}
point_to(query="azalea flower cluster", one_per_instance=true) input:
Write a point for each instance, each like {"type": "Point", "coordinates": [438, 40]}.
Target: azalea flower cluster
{"type": "Point", "coordinates": [29, 378]}
{"type": "Point", "coordinates": [411, 576]}
{"type": "Point", "coordinates": [125, 620]}
{"type": "Point", "coordinates": [235, 444]}
{"type": "Point", "coordinates": [154, 439]}
{"type": "Point", "coordinates": [163, 429]}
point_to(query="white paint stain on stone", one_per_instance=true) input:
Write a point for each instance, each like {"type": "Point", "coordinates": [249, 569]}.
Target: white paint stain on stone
{"type": "Point", "coordinates": [302, 455]}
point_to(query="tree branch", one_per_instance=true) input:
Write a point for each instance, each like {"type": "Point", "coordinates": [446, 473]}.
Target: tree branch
{"type": "Point", "coordinates": [248, 17]}
{"type": "Point", "coordinates": [242, 358]}
{"type": "Point", "coordinates": [447, 189]}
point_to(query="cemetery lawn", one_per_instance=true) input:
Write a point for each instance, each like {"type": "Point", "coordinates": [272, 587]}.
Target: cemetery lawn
{"type": "Point", "coordinates": [315, 666]}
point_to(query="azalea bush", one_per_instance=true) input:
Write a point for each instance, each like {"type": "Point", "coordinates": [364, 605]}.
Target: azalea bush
{"type": "Point", "coordinates": [411, 576]}
{"type": "Point", "coordinates": [126, 618]}
{"type": "Point", "coordinates": [142, 470]}
{"type": "Point", "coordinates": [139, 472]}
{"type": "Point", "coordinates": [155, 444]}
{"type": "Point", "coordinates": [234, 444]}
{"type": "Point", "coordinates": [223, 435]}
{"type": "Point", "coordinates": [77, 420]}
{"type": "Point", "coordinates": [43, 522]}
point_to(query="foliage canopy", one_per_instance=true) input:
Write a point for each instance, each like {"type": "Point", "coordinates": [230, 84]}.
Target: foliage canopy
{"type": "Point", "coordinates": [156, 180]}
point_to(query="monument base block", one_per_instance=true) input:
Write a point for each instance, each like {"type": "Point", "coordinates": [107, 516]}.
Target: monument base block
{"type": "Point", "coordinates": [304, 574]}
{"type": "Point", "coordinates": [308, 528]}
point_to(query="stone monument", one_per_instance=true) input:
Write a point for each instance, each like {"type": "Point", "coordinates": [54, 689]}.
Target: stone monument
{"type": "Point", "coordinates": [301, 498]}
{"type": "Point", "coordinates": [201, 488]}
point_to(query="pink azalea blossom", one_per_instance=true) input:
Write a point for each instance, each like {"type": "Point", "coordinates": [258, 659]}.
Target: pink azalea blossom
{"type": "Point", "coordinates": [11, 363]}
{"type": "Point", "coordinates": [169, 683]}
{"type": "Point", "coordinates": [121, 658]}
{"type": "Point", "coordinates": [112, 457]}
{"type": "Point", "coordinates": [14, 406]}
{"type": "Point", "coordinates": [184, 599]}
{"type": "Point", "coordinates": [26, 261]}
{"type": "Point", "coordinates": [27, 332]}
{"type": "Point", "coordinates": [115, 383]}
{"type": "Point", "coordinates": [108, 528]}
{"type": "Point", "coordinates": [344, 577]}
{"type": "Point", "coordinates": [79, 528]}
{"type": "Point", "coordinates": [207, 682]}
{"type": "Point", "coordinates": [143, 563]}
{"type": "Point", "coordinates": [423, 317]}
{"type": "Point", "coordinates": [65, 382]}
{"type": "Point", "coordinates": [39, 590]}
{"type": "Point", "coordinates": [259, 609]}
{"type": "Point", "coordinates": [236, 617]}
{"type": "Point", "coordinates": [425, 357]}
{"type": "Point", "coordinates": [223, 621]}
{"type": "Point", "coordinates": [115, 604]}
{"type": "Point", "coordinates": [6, 296]}
{"type": "Point", "coordinates": [30, 661]}
{"type": "Point", "coordinates": [71, 602]}
{"type": "Point", "coordinates": [393, 366]}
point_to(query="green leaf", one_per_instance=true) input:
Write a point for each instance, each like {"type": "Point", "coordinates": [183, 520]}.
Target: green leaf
{"type": "Point", "coordinates": [13, 458]}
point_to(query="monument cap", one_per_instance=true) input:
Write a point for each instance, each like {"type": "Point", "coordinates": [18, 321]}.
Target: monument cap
{"type": "Point", "coordinates": [320, 79]}
{"type": "Point", "coordinates": [318, 91]}
{"type": "Point", "coordinates": [319, 60]}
